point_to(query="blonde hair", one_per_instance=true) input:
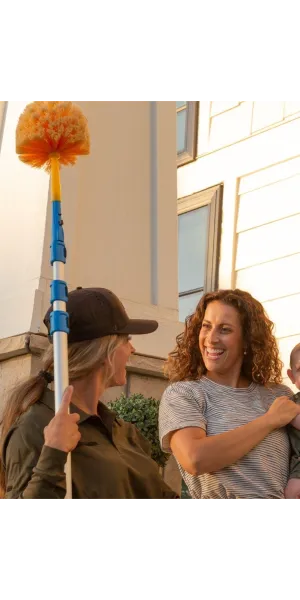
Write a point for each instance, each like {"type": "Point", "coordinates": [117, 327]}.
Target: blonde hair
{"type": "Point", "coordinates": [84, 358]}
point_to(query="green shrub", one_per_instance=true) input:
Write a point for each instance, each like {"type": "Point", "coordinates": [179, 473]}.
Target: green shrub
{"type": "Point", "coordinates": [143, 413]}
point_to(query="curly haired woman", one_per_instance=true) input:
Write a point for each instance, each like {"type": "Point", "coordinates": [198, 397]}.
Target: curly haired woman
{"type": "Point", "coordinates": [224, 414]}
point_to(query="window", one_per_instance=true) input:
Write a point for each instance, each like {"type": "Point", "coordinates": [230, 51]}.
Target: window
{"type": "Point", "coordinates": [187, 116]}
{"type": "Point", "coordinates": [199, 228]}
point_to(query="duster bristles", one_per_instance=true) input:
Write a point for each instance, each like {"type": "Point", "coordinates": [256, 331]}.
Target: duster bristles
{"type": "Point", "coordinates": [51, 128]}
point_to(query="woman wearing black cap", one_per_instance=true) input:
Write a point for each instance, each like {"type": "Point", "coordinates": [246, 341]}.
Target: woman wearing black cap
{"type": "Point", "coordinates": [110, 458]}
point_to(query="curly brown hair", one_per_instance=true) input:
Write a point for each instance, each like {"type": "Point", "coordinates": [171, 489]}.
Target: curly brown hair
{"type": "Point", "coordinates": [261, 364]}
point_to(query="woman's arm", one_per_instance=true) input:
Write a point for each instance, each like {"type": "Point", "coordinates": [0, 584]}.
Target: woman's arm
{"type": "Point", "coordinates": [33, 472]}
{"type": "Point", "coordinates": [199, 454]}
{"type": "Point", "coordinates": [35, 460]}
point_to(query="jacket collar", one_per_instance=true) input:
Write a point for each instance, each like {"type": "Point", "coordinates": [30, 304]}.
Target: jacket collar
{"type": "Point", "coordinates": [106, 415]}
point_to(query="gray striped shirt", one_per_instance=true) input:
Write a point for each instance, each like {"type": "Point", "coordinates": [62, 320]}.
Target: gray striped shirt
{"type": "Point", "coordinates": [263, 473]}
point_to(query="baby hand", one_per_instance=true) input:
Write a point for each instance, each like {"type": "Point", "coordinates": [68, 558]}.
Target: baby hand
{"type": "Point", "coordinates": [292, 490]}
{"type": "Point", "coordinates": [296, 422]}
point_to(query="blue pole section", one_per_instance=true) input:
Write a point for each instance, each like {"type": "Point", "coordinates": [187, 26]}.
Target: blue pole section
{"type": "Point", "coordinates": [59, 319]}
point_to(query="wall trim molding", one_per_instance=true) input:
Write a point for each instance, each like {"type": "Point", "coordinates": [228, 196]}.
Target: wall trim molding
{"type": "Point", "coordinates": [36, 344]}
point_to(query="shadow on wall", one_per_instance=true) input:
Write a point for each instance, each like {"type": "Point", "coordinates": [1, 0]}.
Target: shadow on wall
{"type": "Point", "coordinates": [3, 112]}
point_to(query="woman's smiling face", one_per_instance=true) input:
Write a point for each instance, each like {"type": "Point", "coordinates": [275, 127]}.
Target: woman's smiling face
{"type": "Point", "coordinates": [221, 338]}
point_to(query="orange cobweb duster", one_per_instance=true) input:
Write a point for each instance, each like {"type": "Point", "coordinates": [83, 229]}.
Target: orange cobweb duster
{"type": "Point", "coordinates": [51, 129]}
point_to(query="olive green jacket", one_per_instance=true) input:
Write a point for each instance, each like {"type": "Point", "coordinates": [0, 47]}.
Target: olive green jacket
{"type": "Point", "coordinates": [112, 459]}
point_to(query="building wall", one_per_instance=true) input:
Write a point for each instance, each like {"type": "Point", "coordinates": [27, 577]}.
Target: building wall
{"type": "Point", "coordinates": [268, 247]}
{"type": "Point", "coordinates": [23, 201]}
{"type": "Point", "coordinates": [253, 148]}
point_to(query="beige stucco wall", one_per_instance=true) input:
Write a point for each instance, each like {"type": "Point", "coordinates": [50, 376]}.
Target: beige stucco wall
{"type": "Point", "coordinates": [253, 148]}
{"type": "Point", "coordinates": [23, 200]}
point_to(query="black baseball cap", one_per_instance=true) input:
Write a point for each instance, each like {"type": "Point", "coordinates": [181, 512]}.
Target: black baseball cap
{"type": "Point", "coordinates": [97, 312]}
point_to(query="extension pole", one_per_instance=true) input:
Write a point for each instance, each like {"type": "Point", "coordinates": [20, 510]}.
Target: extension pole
{"type": "Point", "coordinates": [59, 297]}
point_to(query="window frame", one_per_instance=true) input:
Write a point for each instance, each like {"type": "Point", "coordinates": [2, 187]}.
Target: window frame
{"type": "Point", "coordinates": [192, 113]}
{"type": "Point", "coordinates": [211, 197]}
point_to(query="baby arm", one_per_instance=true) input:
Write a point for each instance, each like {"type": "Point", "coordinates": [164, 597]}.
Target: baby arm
{"type": "Point", "coordinates": [296, 422]}
{"type": "Point", "coordinates": [292, 490]}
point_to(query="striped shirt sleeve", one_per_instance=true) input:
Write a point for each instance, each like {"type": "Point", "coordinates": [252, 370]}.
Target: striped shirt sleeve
{"type": "Point", "coordinates": [180, 407]}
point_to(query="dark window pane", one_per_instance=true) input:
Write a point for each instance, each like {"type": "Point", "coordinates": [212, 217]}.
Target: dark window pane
{"type": "Point", "coordinates": [181, 131]}
{"type": "Point", "coordinates": [192, 244]}
{"type": "Point", "coordinates": [187, 305]}
{"type": "Point", "coordinates": [180, 103]}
